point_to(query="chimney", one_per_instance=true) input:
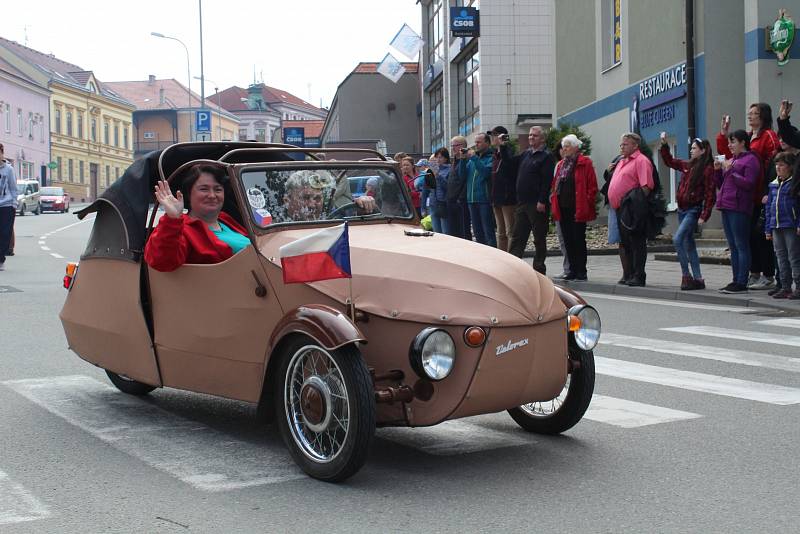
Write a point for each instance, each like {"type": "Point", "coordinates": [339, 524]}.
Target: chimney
{"type": "Point", "coordinates": [161, 99]}
{"type": "Point", "coordinates": [151, 79]}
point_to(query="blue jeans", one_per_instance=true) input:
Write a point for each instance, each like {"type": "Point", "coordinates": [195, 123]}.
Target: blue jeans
{"type": "Point", "coordinates": [684, 241]}
{"type": "Point", "coordinates": [737, 231]}
{"type": "Point", "coordinates": [483, 223]}
{"type": "Point", "coordinates": [439, 217]}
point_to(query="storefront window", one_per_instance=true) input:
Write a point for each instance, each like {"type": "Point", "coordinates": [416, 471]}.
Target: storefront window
{"type": "Point", "coordinates": [469, 89]}
{"type": "Point", "coordinates": [611, 33]}
{"type": "Point", "coordinates": [435, 32]}
{"type": "Point", "coordinates": [436, 118]}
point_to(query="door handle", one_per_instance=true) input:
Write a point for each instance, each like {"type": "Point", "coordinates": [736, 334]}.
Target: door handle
{"type": "Point", "coordinates": [261, 290]}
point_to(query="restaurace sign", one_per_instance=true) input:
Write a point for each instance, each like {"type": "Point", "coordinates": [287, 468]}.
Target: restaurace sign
{"type": "Point", "coordinates": [663, 82]}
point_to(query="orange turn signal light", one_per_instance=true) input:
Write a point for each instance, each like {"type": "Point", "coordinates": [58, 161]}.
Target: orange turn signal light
{"type": "Point", "coordinates": [474, 336]}
{"type": "Point", "coordinates": [71, 269]}
{"type": "Point", "coordinates": [573, 323]}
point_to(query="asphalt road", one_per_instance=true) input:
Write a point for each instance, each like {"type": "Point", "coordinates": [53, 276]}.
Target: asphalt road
{"type": "Point", "coordinates": [695, 432]}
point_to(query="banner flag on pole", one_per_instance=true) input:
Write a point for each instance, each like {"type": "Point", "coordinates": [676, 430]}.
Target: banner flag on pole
{"type": "Point", "coordinates": [407, 42]}
{"type": "Point", "coordinates": [391, 68]}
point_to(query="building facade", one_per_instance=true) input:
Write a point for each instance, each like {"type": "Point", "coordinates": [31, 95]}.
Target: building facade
{"type": "Point", "coordinates": [619, 71]}
{"type": "Point", "coordinates": [505, 76]}
{"type": "Point", "coordinates": [90, 125]}
{"type": "Point", "coordinates": [166, 113]}
{"type": "Point", "coordinates": [369, 106]}
{"type": "Point", "coordinates": [24, 123]}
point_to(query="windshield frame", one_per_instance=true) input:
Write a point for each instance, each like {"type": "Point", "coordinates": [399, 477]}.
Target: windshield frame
{"type": "Point", "coordinates": [389, 166]}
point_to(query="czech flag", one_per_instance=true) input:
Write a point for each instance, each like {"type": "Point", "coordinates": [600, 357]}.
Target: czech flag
{"type": "Point", "coordinates": [322, 255]}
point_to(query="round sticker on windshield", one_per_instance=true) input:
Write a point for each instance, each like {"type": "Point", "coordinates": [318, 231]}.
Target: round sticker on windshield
{"type": "Point", "coordinates": [256, 198]}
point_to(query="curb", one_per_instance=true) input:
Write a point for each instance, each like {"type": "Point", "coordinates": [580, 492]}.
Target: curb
{"type": "Point", "coordinates": [553, 252]}
{"type": "Point", "coordinates": [709, 260]}
{"type": "Point", "coordinates": [706, 296]}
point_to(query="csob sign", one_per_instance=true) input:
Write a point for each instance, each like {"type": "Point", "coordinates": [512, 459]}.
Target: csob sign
{"type": "Point", "coordinates": [294, 136]}
{"type": "Point", "coordinates": [464, 21]}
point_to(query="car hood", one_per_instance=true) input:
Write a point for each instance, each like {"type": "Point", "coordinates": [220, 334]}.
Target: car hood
{"type": "Point", "coordinates": [439, 279]}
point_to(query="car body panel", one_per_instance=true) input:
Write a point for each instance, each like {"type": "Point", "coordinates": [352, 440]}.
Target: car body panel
{"type": "Point", "coordinates": [28, 196]}
{"type": "Point", "coordinates": [53, 199]}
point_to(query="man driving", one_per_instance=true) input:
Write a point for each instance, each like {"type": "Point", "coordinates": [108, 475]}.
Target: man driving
{"type": "Point", "coordinates": [306, 191]}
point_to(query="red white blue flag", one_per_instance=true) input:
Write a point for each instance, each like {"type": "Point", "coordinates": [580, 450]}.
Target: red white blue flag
{"type": "Point", "coordinates": [322, 255]}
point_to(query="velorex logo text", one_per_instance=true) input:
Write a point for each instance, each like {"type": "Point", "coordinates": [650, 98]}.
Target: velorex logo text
{"type": "Point", "coordinates": [511, 345]}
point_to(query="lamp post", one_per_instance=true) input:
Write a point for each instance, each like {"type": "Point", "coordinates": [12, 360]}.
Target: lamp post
{"type": "Point", "coordinates": [188, 75]}
{"type": "Point", "coordinates": [219, 107]}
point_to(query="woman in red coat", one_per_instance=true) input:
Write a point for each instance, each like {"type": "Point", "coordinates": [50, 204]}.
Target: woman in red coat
{"type": "Point", "coordinates": [205, 234]}
{"type": "Point", "coordinates": [572, 198]}
{"type": "Point", "coordinates": [409, 176]}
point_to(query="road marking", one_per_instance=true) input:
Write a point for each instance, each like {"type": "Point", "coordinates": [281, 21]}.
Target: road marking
{"type": "Point", "coordinates": [200, 456]}
{"type": "Point", "coordinates": [45, 248]}
{"type": "Point", "coordinates": [730, 333]}
{"type": "Point", "coordinates": [674, 303]}
{"type": "Point", "coordinates": [17, 504]}
{"type": "Point", "coordinates": [753, 359]}
{"type": "Point", "coordinates": [42, 241]}
{"type": "Point", "coordinates": [453, 437]}
{"type": "Point", "coordinates": [704, 383]}
{"type": "Point", "coordinates": [788, 323]}
{"type": "Point", "coordinates": [86, 219]}
{"type": "Point", "coordinates": [631, 414]}
{"type": "Point", "coordinates": [59, 256]}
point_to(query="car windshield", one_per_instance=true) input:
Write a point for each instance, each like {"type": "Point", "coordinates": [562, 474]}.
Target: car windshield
{"type": "Point", "coordinates": [54, 191]}
{"type": "Point", "coordinates": [301, 195]}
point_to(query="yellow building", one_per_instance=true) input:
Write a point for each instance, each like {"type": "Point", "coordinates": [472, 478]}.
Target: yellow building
{"type": "Point", "coordinates": [91, 139]}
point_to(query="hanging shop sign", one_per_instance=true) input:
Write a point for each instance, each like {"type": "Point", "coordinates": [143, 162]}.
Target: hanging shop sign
{"type": "Point", "coordinates": [780, 37]}
{"type": "Point", "coordinates": [465, 21]}
{"type": "Point", "coordinates": [294, 136]}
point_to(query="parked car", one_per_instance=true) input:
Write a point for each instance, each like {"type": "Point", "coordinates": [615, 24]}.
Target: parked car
{"type": "Point", "coordinates": [429, 328]}
{"type": "Point", "coordinates": [54, 199]}
{"type": "Point", "coordinates": [28, 197]}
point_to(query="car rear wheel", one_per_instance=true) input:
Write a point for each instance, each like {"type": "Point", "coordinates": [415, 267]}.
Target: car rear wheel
{"type": "Point", "coordinates": [565, 410]}
{"type": "Point", "coordinates": [328, 418]}
{"type": "Point", "coordinates": [129, 385]}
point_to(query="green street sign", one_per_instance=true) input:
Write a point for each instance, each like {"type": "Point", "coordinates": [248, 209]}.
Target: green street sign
{"type": "Point", "coordinates": [52, 165]}
{"type": "Point", "coordinates": [781, 36]}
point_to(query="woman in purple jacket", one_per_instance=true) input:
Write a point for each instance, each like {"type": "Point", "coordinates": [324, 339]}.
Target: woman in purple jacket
{"type": "Point", "coordinates": [736, 179]}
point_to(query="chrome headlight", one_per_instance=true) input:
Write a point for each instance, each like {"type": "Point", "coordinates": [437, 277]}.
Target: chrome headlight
{"type": "Point", "coordinates": [584, 323]}
{"type": "Point", "coordinates": [433, 354]}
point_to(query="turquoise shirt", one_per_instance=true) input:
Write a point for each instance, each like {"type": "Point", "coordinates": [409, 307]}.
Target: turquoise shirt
{"type": "Point", "coordinates": [233, 239]}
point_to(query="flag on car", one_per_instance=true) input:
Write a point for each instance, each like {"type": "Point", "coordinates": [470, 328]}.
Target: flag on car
{"type": "Point", "coordinates": [322, 255]}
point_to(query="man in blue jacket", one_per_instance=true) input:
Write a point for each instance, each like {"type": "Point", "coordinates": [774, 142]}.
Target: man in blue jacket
{"type": "Point", "coordinates": [476, 165]}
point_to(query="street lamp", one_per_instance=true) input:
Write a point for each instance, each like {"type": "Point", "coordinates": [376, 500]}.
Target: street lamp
{"type": "Point", "coordinates": [219, 107]}
{"type": "Point", "coordinates": [188, 75]}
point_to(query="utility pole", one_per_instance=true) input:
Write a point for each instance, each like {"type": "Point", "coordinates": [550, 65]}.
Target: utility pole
{"type": "Point", "coordinates": [202, 85]}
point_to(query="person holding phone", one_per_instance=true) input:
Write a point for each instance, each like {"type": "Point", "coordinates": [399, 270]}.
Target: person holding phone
{"type": "Point", "coordinates": [696, 194]}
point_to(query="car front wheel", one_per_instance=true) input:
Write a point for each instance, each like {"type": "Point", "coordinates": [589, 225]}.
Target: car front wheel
{"type": "Point", "coordinates": [564, 411]}
{"type": "Point", "coordinates": [129, 385]}
{"type": "Point", "coordinates": [328, 406]}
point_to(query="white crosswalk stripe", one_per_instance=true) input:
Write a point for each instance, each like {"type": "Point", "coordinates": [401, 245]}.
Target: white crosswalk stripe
{"type": "Point", "coordinates": [17, 504]}
{"type": "Point", "coordinates": [788, 323]}
{"type": "Point", "coordinates": [705, 383]}
{"type": "Point", "coordinates": [631, 414]}
{"type": "Point", "coordinates": [203, 457]}
{"type": "Point", "coordinates": [741, 357]}
{"type": "Point", "coordinates": [453, 437]}
{"type": "Point", "coordinates": [730, 333]}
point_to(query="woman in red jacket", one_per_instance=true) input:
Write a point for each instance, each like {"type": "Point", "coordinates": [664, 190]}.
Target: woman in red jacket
{"type": "Point", "coordinates": [409, 176]}
{"type": "Point", "coordinates": [572, 198]}
{"type": "Point", "coordinates": [205, 234]}
{"type": "Point", "coordinates": [696, 195]}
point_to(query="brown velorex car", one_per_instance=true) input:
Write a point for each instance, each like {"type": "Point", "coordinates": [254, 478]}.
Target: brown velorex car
{"type": "Point", "coordinates": [429, 328]}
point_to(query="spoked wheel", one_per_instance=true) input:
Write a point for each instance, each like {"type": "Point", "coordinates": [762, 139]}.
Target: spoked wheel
{"type": "Point", "coordinates": [329, 408]}
{"type": "Point", "coordinates": [567, 408]}
{"type": "Point", "coordinates": [129, 385]}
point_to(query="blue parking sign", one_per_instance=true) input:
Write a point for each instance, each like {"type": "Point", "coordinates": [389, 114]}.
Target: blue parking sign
{"type": "Point", "coordinates": [202, 121]}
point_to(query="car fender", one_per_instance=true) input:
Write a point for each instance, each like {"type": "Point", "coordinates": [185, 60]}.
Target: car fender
{"type": "Point", "coordinates": [569, 297]}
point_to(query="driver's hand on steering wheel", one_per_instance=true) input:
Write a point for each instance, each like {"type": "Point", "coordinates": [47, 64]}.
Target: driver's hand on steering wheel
{"type": "Point", "coordinates": [365, 203]}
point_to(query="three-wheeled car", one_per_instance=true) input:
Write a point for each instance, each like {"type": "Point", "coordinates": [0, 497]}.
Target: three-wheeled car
{"type": "Point", "coordinates": [429, 328]}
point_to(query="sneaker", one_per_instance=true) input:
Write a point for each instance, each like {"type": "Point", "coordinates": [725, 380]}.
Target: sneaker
{"type": "Point", "coordinates": [686, 283]}
{"type": "Point", "coordinates": [581, 278]}
{"type": "Point", "coordinates": [635, 282]}
{"type": "Point", "coordinates": [562, 276]}
{"type": "Point", "coordinates": [782, 294]}
{"type": "Point", "coordinates": [753, 280]}
{"type": "Point", "coordinates": [735, 288]}
{"type": "Point", "coordinates": [622, 281]}
{"type": "Point", "coordinates": [723, 289]}
{"type": "Point", "coordinates": [698, 283]}
{"type": "Point", "coordinates": [776, 289]}
{"type": "Point", "coordinates": [795, 295]}
{"type": "Point", "coordinates": [763, 282]}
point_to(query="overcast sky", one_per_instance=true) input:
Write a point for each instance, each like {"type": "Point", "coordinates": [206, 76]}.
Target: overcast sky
{"type": "Point", "coordinates": [289, 43]}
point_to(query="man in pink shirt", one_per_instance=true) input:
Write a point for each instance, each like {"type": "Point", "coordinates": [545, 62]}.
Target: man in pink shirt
{"type": "Point", "coordinates": [633, 171]}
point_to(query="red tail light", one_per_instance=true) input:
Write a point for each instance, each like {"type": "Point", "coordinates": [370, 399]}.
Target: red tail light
{"type": "Point", "coordinates": [69, 277]}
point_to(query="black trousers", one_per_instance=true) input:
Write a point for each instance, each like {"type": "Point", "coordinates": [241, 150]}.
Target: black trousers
{"type": "Point", "coordinates": [458, 221]}
{"type": "Point", "coordinates": [6, 226]}
{"type": "Point", "coordinates": [762, 252]}
{"type": "Point", "coordinates": [635, 245]}
{"type": "Point", "coordinates": [526, 220]}
{"type": "Point", "coordinates": [574, 241]}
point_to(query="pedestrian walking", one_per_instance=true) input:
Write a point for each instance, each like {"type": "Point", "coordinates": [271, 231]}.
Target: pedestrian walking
{"type": "Point", "coordinates": [783, 224]}
{"type": "Point", "coordinates": [736, 179]}
{"type": "Point", "coordinates": [535, 169]}
{"type": "Point", "coordinates": [696, 195]}
{"type": "Point", "coordinates": [8, 205]}
{"type": "Point", "coordinates": [504, 187]}
{"type": "Point", "coordinates": [628, 190]}
{"type": "Point", "coordinates": [574, 191]}
{"type": "Point", "coordinates": [476, 165]}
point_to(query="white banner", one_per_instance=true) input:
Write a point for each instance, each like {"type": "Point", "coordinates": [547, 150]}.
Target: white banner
{"type": "Point", "coordinates": [407, 42]}
{"type": "Point", "coordinates": [391, 68]}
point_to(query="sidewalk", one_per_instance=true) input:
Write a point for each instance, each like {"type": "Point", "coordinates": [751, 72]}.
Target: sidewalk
{"type": "Point", "coordinates": [663, 282]}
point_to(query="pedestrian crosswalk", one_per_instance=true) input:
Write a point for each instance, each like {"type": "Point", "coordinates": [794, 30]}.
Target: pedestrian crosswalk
{"type": "Point", "coordinates": [210, 460]}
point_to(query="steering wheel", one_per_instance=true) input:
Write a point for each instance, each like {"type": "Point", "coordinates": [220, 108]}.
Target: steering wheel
{"type": "Point", "coordinates": [335, 213]}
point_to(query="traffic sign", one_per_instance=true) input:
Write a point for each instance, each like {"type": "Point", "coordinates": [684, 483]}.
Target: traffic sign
{"type": "Point", "coordinates": [203, 136]}
{"type": "Point", "coordinates": [202, 121]}
{"type": "Point", "coordinates": [52, 165]}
